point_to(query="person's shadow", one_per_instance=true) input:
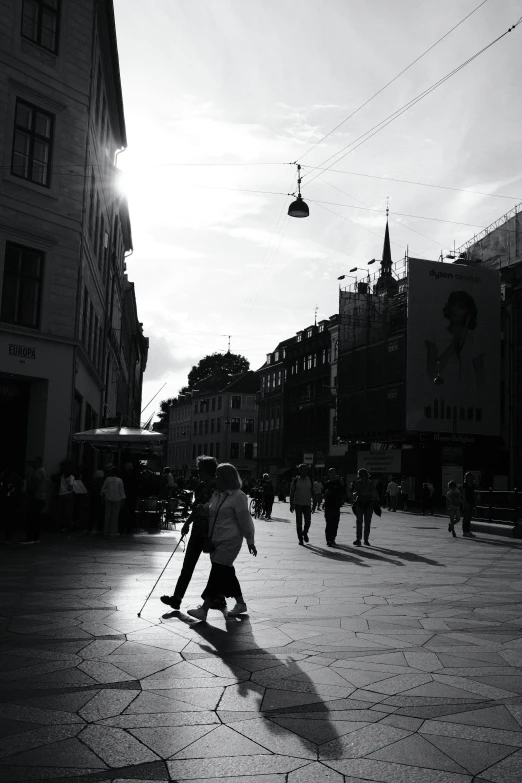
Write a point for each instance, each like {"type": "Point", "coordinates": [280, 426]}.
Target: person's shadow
{"type": "Point", "coordinates": [274, 687]}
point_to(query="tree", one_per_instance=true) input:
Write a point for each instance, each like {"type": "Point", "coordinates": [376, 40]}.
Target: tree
{"type": "Point", "coordinates": [218, 365]}
{"type": "Point", "coordinates": [163, 415]}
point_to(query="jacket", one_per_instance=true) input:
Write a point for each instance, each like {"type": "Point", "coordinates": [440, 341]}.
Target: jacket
{"type": "Point", "coordinates": [229, 523]}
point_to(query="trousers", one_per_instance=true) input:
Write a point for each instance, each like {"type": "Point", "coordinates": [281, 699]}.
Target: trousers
{"type": "Point", "coordinates": [112, 512]}
{"type": "Point", "coordinates": [331, 517]}
{"type": "Point", "coordinates": [454, 515]}
{"type": "Point", "coordinates": [190, 561]}
{"type": "Point", "coordinates": [300, 513]}
{"type": "Point", "coordinates": [466, 519]}
{"type": "Point", "coordinates": [363, 513]}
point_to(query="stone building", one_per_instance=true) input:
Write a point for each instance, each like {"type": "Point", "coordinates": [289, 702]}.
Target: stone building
{"type": "Point", "coordinates": [222, 424]}
{"type": "Point", "coordinates": [72, 351]}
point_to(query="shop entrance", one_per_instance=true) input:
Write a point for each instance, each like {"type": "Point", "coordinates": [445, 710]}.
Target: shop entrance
{"type": "Point", "coordinates": [14, 412]}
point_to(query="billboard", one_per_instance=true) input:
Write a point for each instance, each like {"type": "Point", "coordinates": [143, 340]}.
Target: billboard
{"type": "Point", "coordinates": [387, 461]}
{"type": "Point", "coordinates": [453, 349]}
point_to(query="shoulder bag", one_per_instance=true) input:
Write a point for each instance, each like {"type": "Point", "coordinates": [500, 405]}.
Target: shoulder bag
{"type": "Point", "coordinates": [208, 546]}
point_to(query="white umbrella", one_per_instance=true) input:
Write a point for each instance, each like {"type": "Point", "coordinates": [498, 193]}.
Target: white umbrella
{"type": "Point", "coordinates": [133, 439]}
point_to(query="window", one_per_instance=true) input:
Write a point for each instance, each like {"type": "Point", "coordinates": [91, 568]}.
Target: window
{"type": "Point", "coordinates": [22, 289]}
{"type": "Point", "coordinates": [279, 378]}
{"type": "Point", "coordinates": [217, 451]}
{"type": "Point", "coordinates": [213, 403]}
{"type": "Point", "coordinates": [323, 356]}
{"type": "Point", "coordinates": [234, 450]}
{"type": "Point", "coordinates": [219, 403]}
{"type": "Point", "coordinates": [211, 451]}
{"type": "Point", "coordinates": [249, 425]}
{"type": "Point", "coordinates": [212, 425]}
{"type": "Point", "coordinates": [218, 425]}
{"type": "Point", "coordinates": [199, 449]}
{"type": "Point", "coordinates": [40, 23]}
{"type": "Point", "coordinates": [193, 452]}
{"type": "Point", "coordinates": [321, 327]}
{"type": "Point", "coordinates": [206, 426]}
{"type": "Point", "coordinates": [235, 425]}
{"type": "Point", "coordinates": [205, 448]}
{"type": "Point", "coordinates": [315, 360]}
{"type": "Point", "coordinates": [309, 362]}
{"type": "Point", "coordinates": [249, 451]}
{"type": "Point", "coordinates": [268, 358]}
{"type": "Point", "coordinates": [32, 144]}
{"type": "Point", "coordinates": [235, 401]}
{"type": "Point", "coordinates": [276, 356]}
{"type": "Point", "coordinates": [200, 427]}
{"type": "Point", "coordinates": [195, 431]}
{"type": "Point", "coordinates": [195, 407]}
{"type": "Point", "coordinates": [309, 332]}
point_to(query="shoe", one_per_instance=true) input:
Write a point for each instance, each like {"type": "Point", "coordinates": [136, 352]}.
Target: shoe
{"type": "Point", "coordinates": [329, 543]}
{"type": "Point", "coordinates": [468, 535]}
{"type": "Point", "coordinates": [305, 538]}
{"type": "Point", "coordinates": [301, 542]}
{"type": "Point", "coordinates": [237, 610]}
{"type": "Point", "coordinates": [174, 603]}
{"type": "Point", "coordinates": [366, 542]}
{"type": "Point", "coordinates": [357, 542]}
{"type": "Point", "coordinates": [454, 534]}
{"type": "Point", "coordinates": [199, 613]}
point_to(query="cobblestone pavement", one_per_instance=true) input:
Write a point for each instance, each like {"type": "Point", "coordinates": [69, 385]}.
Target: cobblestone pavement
{"type": "Point", "coordinates": [398, 663]}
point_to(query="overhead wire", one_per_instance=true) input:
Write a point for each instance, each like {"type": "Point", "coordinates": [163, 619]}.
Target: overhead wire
{"type": "Point", "coordinates": [411, 182]}
{"type": "Point", "coordinates": [390, 82]}
{"type": "Point", "coordinates": [398, 222]}
{"type": "Point", "coordinates": [363, 138]}
{"type": "Point", "coordinates": [401, 214]}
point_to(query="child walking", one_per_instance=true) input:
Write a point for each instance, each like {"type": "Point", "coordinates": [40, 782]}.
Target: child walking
{"type": "Point", "coordinates": [453, 504]}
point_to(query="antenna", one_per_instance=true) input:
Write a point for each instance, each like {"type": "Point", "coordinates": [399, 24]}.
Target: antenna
{"type": "Point", "coordinates": [387, 206]}
{"type": "Point", "coordinates": [229, 343]}
{"type": "Point", "coordinates": [315, 317]}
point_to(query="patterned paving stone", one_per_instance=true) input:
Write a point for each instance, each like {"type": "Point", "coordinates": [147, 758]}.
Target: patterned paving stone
{"type": "Point", "coordinates": [361, 742]}
{"type": "Point", "coordinates": [507, 771]}
{"type": "Point", "coordinates": [473, 756]}
{"type": "Point", "coordinates": [115, 746]}
{"type": "Point", "coordinates": [418, 752]}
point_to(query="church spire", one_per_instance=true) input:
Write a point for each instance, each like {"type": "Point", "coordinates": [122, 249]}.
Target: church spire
{"type": "Point", "coordinates": [386, 263]}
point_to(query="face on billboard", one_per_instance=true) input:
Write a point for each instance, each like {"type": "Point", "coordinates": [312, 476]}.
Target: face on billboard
{"type": "Point", "coordinates": [453, 349]}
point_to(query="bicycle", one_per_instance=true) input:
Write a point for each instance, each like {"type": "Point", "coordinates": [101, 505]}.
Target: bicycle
{"type": "Point", "coordinates": [256, 507]}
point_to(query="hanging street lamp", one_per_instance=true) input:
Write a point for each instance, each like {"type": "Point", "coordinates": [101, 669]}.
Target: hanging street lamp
{"type": "Point", "coordinates": [298, 208]}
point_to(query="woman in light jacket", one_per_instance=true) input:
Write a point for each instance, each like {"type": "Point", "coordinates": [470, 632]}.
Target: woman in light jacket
{"type": "Point", "coordinates": [229, 523]}
{"type": "Point", "coordinates": [114, 493]}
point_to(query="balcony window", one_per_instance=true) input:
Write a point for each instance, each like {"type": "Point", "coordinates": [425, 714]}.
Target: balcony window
{"type": "Point", "coordinates": [32, 142]}
{"type": "Point", "coordinates": [22, 287]}
{"type": "Point", "coordinates": [235, 425]}
{"type": "Point", "coordinates": [40, 23]}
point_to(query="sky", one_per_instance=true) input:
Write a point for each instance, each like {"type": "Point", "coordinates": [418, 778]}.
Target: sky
{"type": "Point", "coordinates": [259, 84]}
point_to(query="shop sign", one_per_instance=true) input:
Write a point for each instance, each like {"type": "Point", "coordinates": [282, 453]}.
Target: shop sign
{"type": "Point", "coordinates": [388, 461]}
{"type": "Point", "coordinates": [22, 352]}
{"type": "Point", "coordinates": [308, 458]}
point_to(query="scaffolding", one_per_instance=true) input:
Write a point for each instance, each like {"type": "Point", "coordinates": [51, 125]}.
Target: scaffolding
{"type": "Point", "coordinates": [374, 308]}
{"type": "Point", "coordinates": [498, 245]}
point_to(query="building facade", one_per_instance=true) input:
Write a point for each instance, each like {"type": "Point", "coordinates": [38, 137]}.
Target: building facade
{"type": "Point", "coordinates": [270, 411]}
{"type": "Point", "coordinates": [221, 421]}
{"type": "Point", "coordinates": [72, 352]}
{"type": "Point", "coordinates": [308, 398]}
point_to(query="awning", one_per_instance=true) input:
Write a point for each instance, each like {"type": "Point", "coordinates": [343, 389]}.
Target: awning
{"type": "Point", "coordinates": [131, 439]}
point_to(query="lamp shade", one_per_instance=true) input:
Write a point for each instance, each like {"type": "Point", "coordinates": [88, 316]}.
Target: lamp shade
{"type": "Point", "coordinates": [298, 208]}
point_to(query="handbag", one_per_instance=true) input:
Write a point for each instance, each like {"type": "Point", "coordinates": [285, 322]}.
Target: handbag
{"type": "Point", "coordinates": [208, 546]}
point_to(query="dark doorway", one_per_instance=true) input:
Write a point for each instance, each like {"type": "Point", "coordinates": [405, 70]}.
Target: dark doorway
{"type": "Point", "coordinates": [14, 411]}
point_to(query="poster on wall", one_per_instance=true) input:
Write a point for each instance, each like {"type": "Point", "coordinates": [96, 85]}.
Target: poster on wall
{"type": "Point", "coordinates": [453, 349]}
{"type": "Point", "coordinates": [388, 461]}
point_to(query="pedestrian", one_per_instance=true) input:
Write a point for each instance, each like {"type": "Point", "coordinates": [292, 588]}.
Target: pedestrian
{"type": "Point", "coordinates": [11, 488]}
{"type": "Point", "coordinates": [66, 496]}
{"type": "Point", "coordinates": [169, 483]}
{"type": "Point", "coordinates": [96, 503]}
{"type": "Point", "coordinates": [334, 493]}
{"type": "Point", "coordinates": [425, 498]}
{"type": "Point", "coordinates": [229, 523]}
{"type": "Point", "coordinates": [284, 486]}
{"type": "Point", "coordinates": [302, 497]}
{"type": "Point", "coordinates": [37, 497]}
{"type": "Point", "coordinates": [453, 504]}
{"type": "Point", "coordinates": [197, 524]}
{"type": "Point", "coordinates": [431, 488]}
{"type": "Point", "coordinates": [404, 493]}
{"type": "Point", "coordinates": [130, 485]}
{"type": "Point", "coordinates": [81, 502]}
{"type": "Point", "coordinates": [469, 501]}
{"type": "Point", "coordinates": [318, 489]}
{"type": "Point", "coordinates": [393, 494]}
{"type": "Point", "coordinates": [268, 495]}
{"type": "Point", "coordinates": [113, 493]}
{"type": "Point", "coordinates": [365, 500]}
{"type": "Point", "coordinates": [379, 488]}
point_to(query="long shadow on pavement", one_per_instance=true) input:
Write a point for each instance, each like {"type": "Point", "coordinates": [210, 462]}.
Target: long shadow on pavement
{"type": "Point", "coordinates": [369, 554]}
{"type": "Point", "coordinates": [278, 687]}
{"type": "Point", "coordinates": [411, 557]}
{"type": "Point", "coordinates": [332, 554]}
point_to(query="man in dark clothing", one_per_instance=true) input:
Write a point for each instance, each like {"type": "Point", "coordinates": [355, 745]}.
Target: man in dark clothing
{"type": "Point", "coordinates": [202, 494]}
{"type": "Point", "coordinates": [334, 492]}
{"type": "Point", "coordinates": [268, 495]}
{"type": "Point", "coordinates": [468, 495]}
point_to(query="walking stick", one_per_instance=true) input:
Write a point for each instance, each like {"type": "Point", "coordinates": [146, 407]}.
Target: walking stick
{"type": "Point", "coordinates": [159, 577]}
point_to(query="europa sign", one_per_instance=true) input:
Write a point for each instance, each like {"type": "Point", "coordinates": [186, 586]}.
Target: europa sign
{"type": "Point", "coordinates": [22, 352]}
{"type": "Point", "coordinates": [387, 461]}
{"type": "Point", "coordinates": [453, 349]}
